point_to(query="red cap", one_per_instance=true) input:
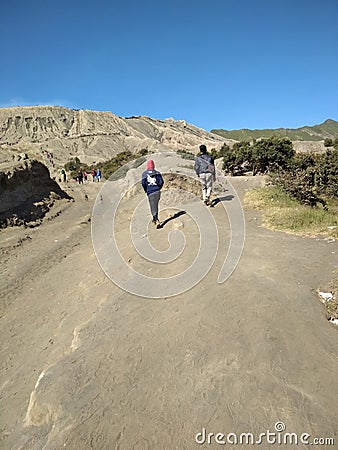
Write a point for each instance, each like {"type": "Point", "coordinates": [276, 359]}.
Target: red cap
{"type": "Point", "coordinates": [150, 165]}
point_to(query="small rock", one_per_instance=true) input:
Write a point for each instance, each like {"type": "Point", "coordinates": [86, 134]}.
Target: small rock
{"type": "Point", "coordinates": [178, 225]}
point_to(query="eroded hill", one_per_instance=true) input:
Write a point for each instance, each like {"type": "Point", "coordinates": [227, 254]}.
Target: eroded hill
{"type": "Point", "coordinates": [93, 136]}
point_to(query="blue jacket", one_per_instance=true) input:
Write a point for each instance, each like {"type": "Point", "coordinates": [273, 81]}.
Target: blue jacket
{"type": "Point", "coordinates": [152, 181]}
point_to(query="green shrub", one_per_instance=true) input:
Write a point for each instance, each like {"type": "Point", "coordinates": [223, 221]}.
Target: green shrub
{"type": "Point", "coordinates": [328, 142]}
{"type": "Point", "coordinates": [122, 171]}
{"type": "Point", "coordinates": [237, 160]}
{"type": "Point", "coordinates": [74, 165]}
{"type": "Point", "coordinates": [261, 156]}
{"type": "Point", "coordinates": [185, 154]}
{"type": "Point", "coordinates": [107, 167]}
{"type": "Point", "coordinates": [223, 151]}
{"type": "Point", "coordinates": [271, 154]}
{"type": "Point", "coordinates": [143, 152]}
{"type": "Point", "coordinates": [310, 178]}
{"type": "Point", "coordinates": [327, 172]}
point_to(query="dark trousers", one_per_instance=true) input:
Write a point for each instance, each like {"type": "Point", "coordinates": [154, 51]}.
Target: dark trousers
{"type": "Point", "coordinates": [154, 198]}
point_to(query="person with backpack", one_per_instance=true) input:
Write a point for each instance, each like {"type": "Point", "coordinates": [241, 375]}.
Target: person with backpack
{"type": "Point", "coordinates": [152, 183]}
{"type": "Point", "coordinates": [205, 170]}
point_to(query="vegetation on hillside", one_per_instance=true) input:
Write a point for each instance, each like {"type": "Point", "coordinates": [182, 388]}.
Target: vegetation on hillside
{"type": "Point", "coordinates": [309, 178]}
{"type": "Point", "coordinates": [185, 154]}
{"type": "Point", "coordinates": [283, 212]}
{"type": "Point", "coordinates": [110, 166]}
{"type": "Point", "coordinates": [328, 129]}
{"type": "Point", "coordinates": [303, 191]}
{"type": "Point", "coordinates": [261, 156]}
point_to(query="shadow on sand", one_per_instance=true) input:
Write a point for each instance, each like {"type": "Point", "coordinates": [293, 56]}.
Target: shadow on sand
{"type": "Point", "coordinates": [227, 198]}
{"type": "Point", "coordinates": [175, 216]}
{"type": "Point", "coordinates": [216, 200]}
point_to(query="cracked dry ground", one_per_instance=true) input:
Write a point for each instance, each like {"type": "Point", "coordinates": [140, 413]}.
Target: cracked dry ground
{"type": "Point", "coordinates": [85, 365]}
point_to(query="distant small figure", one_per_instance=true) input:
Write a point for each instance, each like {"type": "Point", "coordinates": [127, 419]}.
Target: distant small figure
{"type": "Point", "coordinates": [63, 175]}
{"type": "Point", "coordinates": [152, 183]}
{"type": "Point", "coordinates": [93, 174]}
{"type": "Point", "coordinates": [205, 170]}
{"type": "Point", "coordinates": [85, 176]}
{"type": "Point", "coordinates": [98, 175]}
{"type": "Point", "coordinates": [80, 177]}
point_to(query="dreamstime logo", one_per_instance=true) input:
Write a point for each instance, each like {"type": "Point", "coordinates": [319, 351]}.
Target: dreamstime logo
{"type": "Point", "coordinates": [279, 437]}
{"type": "Point", "coordinates": [120, 223]}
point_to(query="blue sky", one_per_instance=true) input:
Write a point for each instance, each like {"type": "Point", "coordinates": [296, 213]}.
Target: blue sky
{"type": "Point", "coordinates": [216, 64]}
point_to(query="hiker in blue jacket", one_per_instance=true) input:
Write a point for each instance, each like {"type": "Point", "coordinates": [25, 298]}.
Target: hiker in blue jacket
{"type": "Point", "coordinates": [152, 183]}
{"type": "Point", "coordinates": [205, 170]}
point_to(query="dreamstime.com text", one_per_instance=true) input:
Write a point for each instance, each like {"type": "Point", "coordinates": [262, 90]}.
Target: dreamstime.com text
{"type": "Point", "coordinates": [278, 437]}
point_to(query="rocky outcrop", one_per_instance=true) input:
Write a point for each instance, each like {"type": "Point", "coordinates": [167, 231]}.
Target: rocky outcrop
{"type": "Point", "coordinates": [94, 136]}
{"type": "Point", "coordinates": [27, 193]}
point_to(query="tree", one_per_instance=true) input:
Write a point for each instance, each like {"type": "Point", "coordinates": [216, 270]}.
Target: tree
{"type": "Point", "coordinates": [237, 160]}
{"type": "Point", "coordinates": [327, 172]}
{"type": "Point", "coordinates": [300, 184]}
{"type": "Point", "coordinates": [73, 165]}
{"type": "Point", "coordinates": [328, 142]}
{"type": "Point", "coordinates": [221, 152]}
{"type": "Point", "coordinates": [272, 154]}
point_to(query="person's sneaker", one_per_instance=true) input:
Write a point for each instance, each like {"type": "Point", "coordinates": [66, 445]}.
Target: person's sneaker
{"type": "Point", "coordinates": [206, 202]}
{"type": "Point", "coordinates": [158, 224]}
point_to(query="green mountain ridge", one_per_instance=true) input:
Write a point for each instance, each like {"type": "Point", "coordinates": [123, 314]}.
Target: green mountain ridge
{"type": "Point", "coordinates": [325, 130]}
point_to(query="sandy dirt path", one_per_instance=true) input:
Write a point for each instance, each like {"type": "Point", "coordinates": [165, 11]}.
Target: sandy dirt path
{"type": "Point", "coordinates": [85, 365]}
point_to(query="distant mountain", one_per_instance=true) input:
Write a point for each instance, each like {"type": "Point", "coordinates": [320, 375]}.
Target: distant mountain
{"type": "Point", "coordinates": [327, 129]}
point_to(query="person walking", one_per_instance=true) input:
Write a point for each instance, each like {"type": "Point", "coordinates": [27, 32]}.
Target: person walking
{"type": "Point", "coordinates": [98, 175]}
{"type": "Point", "coordinates": [152, 183]}
{"type": "Point", "coordinates": [205, 170]}
{"type": "Point", "coordinates": [64, 176]}
{"type": "Point", "coordinates": [80, 177]}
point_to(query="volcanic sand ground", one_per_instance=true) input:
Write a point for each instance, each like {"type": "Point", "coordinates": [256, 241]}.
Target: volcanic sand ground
{"type": "Point", "coordinates": [85, 365]}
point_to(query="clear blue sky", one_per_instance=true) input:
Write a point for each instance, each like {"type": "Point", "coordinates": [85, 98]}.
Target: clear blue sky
{"type": "Point", "coordinates": [216, 64]}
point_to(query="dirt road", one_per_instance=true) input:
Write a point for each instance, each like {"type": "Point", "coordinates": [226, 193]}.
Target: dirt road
{"type": "Point", "coordinates": [85, 365]}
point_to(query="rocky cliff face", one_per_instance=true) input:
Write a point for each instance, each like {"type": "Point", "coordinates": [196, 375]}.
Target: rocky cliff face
{"type": "Point", "coordinates": [94, 136]}
{"type": "Point", "coordinates": [26, 192]}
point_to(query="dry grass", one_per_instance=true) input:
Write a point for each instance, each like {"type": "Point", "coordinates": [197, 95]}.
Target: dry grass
{"type": "Point", "coordinates": [281, 212]}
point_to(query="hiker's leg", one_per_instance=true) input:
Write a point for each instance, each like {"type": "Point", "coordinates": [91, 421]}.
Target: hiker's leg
{"type": "Point", "coordinates": [153, 202]}
{"type": "Point", "coordinates": [208, 183]}
{"type": "Point", "coordinates": [204, 185]}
